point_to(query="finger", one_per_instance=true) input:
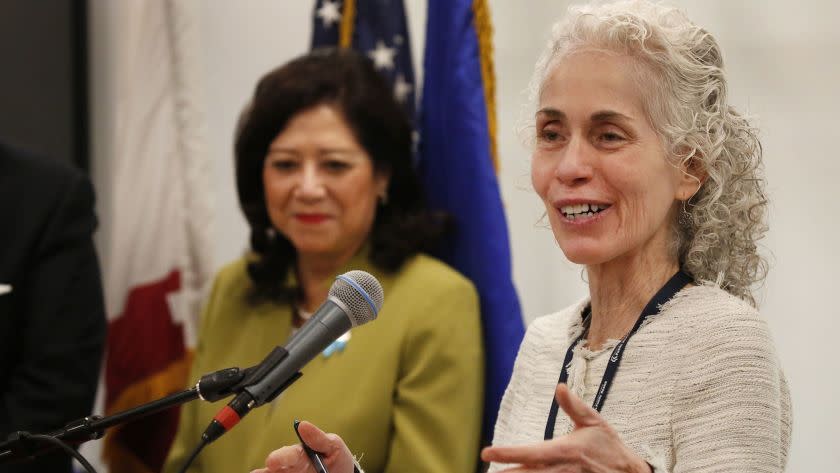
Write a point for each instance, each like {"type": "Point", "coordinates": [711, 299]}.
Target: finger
{"type": "Point", "coordinates": [581, 414]}
{"type": "Point", "coordinates": [543, 453]}
{"type": "Point", "coordinates": [542, 469]}
{"type": "Point", "coordinates": [289, 458]}
{"type": "Point", "coordinates": [532, 469]}
{"type": "Point", "coordinates": [317, 439]}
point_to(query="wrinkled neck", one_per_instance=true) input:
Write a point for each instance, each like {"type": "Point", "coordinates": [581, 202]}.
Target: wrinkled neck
{"type": "Point", "coordinates": [620, 290]}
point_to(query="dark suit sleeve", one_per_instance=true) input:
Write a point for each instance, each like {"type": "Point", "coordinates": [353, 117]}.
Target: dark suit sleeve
{"type": "Point", "coordinates": [63, 332]}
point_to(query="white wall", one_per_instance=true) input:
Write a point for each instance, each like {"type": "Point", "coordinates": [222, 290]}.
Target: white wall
{"type": "Point", "coordinates": [782, 66]}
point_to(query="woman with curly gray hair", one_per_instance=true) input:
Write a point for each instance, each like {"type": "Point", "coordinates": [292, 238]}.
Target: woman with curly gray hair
{"type": "Point", "coordinates": [653, 183]}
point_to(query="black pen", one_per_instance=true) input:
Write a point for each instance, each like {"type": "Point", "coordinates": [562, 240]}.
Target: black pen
{"type": "Point", "coordinates": [314, 457]}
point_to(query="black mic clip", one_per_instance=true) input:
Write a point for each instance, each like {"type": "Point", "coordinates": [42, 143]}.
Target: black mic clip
{"type": "Point", "coordinates": [244, 400]}
{"type": "Point", "coordinates": [223, 383]}
{"type": "Point", "coordinates": [260, 371]}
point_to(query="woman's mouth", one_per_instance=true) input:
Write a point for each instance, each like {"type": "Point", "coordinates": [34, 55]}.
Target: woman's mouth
{"type": "Point", "coordinates": [582, 211]}
{"type": "Point", "coordinates": [311, 218]}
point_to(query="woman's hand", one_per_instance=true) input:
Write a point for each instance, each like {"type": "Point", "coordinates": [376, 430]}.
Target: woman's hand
{"type": "Point", "coordinates": [593, 446]}
{"type": "Point", "coordinates": [292, 459]}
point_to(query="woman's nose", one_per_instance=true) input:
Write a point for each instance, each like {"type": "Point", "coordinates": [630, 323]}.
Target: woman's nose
{"type": "Point", "coordinates": [574, 165]}
{"type": "Point", "coordinates": [311, 184]}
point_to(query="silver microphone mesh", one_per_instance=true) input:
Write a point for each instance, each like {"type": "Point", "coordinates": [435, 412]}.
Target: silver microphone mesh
{"type": "Point", "coordinates": [361, 293]}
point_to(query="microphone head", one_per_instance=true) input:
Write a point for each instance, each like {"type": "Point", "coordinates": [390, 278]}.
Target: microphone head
{"type": "Point", "coordinates": [361, 293]}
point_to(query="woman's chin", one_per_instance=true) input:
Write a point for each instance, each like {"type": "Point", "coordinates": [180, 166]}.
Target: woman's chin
{"type": "Point", "coordinates": [584, 256]}
{"type": "Point", "coordinates": [316, 249]}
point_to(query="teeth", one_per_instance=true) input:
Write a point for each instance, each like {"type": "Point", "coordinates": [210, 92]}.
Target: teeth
{"type": "Point", "coordinates": [581, 210]}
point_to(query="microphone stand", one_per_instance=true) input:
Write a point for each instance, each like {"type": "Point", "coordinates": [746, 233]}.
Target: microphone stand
{"type": "Point", "coordinates": [24, 445]}
{"type": "Point", "coordinates": [212, 387]}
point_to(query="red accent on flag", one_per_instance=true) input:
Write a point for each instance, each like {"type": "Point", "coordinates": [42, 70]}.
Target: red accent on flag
{"type": "Point", "coordinates": [227, 417]}
{"type": "Point", "coordinates": [147, 440]}
{"type": "Point", "coordinates": [144, 342]}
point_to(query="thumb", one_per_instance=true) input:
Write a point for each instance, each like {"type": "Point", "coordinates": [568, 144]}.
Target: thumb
{"type": "Point", "coordinates": [581, 414]}
{"type": "Point", "coordinates": [315, 437]}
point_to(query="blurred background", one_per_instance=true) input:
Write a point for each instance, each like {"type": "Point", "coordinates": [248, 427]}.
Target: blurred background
{"type": "Point", "coordinates": [782, 67]}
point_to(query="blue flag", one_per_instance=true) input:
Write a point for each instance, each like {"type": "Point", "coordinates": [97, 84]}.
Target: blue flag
{"type": "Point", "coordinates": [456, 156]}
{"type": "Point", "coordinates": [456, 165]}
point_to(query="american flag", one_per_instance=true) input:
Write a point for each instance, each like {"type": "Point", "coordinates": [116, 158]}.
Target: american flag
{"type": "Point", "coordinates": [376, 28]}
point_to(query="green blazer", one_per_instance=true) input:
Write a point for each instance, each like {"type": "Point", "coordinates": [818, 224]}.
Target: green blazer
{"type": "Point", "coordinates": [405, 393]}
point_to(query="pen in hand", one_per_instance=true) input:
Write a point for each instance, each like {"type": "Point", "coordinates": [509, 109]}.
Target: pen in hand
{"type": "Point", "coordinates": [314, 457]}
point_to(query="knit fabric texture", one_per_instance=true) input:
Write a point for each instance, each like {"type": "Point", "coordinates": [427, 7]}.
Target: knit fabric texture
{"type": "Point", "coordinates": [699, 388]}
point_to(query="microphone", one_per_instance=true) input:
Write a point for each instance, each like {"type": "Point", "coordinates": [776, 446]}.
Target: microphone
{"type": "Point", "coordinates": [354, 299]}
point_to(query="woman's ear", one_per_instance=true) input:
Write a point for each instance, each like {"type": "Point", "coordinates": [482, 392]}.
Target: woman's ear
{"type": "Point", "coordinates": [381, 181]}
{"type": "Point", "coordinates": [692, 176]}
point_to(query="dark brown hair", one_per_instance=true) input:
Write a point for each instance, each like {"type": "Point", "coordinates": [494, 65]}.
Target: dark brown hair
{"type": "Point", "coordinates": [348, 81]}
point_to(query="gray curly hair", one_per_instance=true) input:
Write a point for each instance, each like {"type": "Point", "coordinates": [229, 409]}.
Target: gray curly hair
{"type": "Point", "coordinates": [718, 229]}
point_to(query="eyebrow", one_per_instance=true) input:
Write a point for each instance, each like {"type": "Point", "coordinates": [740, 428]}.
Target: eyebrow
{"type": "Point", "coordinates": [291, 150]}
{"type": "Point", "coordinates": [599, 116]}
{"type": "Point", "coordinates": [607, 115]}
{"type": "Point", "coordinates": [281, 151]}
{"type": "Point", "coordinates": [552, 113]}
{"type": "Point", "coordinates": [345, 153]}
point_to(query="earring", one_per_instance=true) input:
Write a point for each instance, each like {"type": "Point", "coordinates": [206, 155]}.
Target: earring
{"type": "Point", "coordinates": [383, 197]}
{"type": "Point", "coordinates": [684, 218]}
{"type": "Point", "coordinates": [270, 233]}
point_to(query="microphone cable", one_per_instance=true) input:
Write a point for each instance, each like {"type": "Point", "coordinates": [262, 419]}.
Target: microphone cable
{"type": "Point", "coordinates": [198, 448]}
{"type": "Point", "coordinates": [62, 445]}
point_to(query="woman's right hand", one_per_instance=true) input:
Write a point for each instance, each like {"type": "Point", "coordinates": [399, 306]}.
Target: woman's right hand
{"type": "Point", "coordinates": [293, 459]}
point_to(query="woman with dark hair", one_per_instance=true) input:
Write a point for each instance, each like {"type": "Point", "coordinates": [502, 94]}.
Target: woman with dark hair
{"type": "Point", "coordinates": [325, 180]}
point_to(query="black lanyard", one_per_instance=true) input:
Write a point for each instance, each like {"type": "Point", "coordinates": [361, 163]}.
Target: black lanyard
{"type": "Point", "coordinates": [677, 282]}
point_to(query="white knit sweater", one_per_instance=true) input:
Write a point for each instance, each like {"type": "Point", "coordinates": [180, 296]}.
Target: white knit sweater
{"type": "Point", "coordinates": [699, 388]}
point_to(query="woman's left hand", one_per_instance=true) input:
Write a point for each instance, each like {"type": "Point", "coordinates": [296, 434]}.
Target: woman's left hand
{"type": "Point", "coordinates": [593, 446]}
{"type": "Point", "coordinates": [293, 459]}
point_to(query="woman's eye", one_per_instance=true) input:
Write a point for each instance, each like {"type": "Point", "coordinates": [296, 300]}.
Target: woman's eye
{"type": "Point", "coordinates": [335, 165]}
{"type": "Point", "coordinates": [609, 136]}
{"type": "Point", "coordinates": [610, 139]}
{"type": "Point", "coordinates": [284, 164]}
{"type": "Point", "coordinates": [549, 136]}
